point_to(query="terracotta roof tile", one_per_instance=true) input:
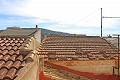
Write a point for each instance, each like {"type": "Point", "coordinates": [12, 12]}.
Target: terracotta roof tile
{"type": "Point", "coordinates": [1, 63]}
{"type": "Point", "coordinates": [15, 48]}
{"type": "Point", "coordinates": [17, 52]}
{"type": "Point", "coordinates": [2, 44]}
{"type": "Point", "coordinates": [10, 41]}
{"type": "Point", "coordinates": [7, 65]}
{"type": "Point", "coordinates": [18, 44]}
{"type": "Point", "coordinates": [5, 58]}
{"type": "Point", "coordinates": [9, 47]}
{"type": "Point", "coordinates": [1, 56]}
{"type": "Point", "coordinates": [10, 74]}
{"type": "Point", "coordinates": [22, 64]}
{"type": "Point", "coordinates": [4, 52]}
{"type": "Point", "coordinates": [77, 44]}
{"type": "Point", "coordinates": [7, 44]}
{"type": "Point", "coordinates": [19, 72]}
{"type": "Point", "coordinates": [19, 58]}
{"type": "Point", "coordinates": [12, 44]}
{"type": "Point", "coordinates": [1, 40]}
{"type": "Point", "coordinates": [3, 47]}
{"type": "Point", "coordinates": [21, 41]}
{"type": "Point", "coordinates": [16, 64]}
{"type": "Point", "coordinates": [3, 71]}
{"type": "Point", "coordinates": [11, 52]}
{"type": "Point", "coordinates": [16, 41]}
{"type": "Point", "coordinates": [9, 38]}
{"type": "Point", "coordinates": [4, 38]}
{"type": "Point", "coordinates": [11, 59]}
{"type": "Point", "coordinates": [0, 51]}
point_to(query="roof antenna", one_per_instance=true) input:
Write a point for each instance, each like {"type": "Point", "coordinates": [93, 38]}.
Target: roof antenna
{"type": "Point", "coordinates": [101, 22]}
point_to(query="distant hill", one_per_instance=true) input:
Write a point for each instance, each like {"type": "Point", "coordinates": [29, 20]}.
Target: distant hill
{"type": "Point", "coordinates": [47, 32]}
{"type": "Point", "coordinates": [15, 31]}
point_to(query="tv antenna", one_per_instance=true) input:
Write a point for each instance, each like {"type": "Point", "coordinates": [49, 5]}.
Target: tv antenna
{"type": "Point", "coordinates": [114, 35]}
{"type": "Point", "coordinates": [102, 21]}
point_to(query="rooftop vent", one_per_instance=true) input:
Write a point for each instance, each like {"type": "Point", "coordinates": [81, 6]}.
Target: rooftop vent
{"type": "Point", "coordinates": [12, 28]}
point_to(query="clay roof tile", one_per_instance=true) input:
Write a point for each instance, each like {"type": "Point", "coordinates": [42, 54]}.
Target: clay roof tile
{"type": "Point", "coordinates": [16, 64]}
{"type": "Point", "coordinates": [2, 44]}
{"type": "Point", "coordinates": [3, 71]}
{"type": "Point", "coordinates": [18, 44]}
{"type": "Point", "coordinates": [7, 44]}
{"type": "Point", "coordinates": [4, 52]}
{"type": "Point", "coordinates": [19, 58]}
{"type": "Point", "coordinates": [7, 65]}
{"type": "Point", "coordinates": [11, 58]}
{"type": "Point", "coordinates": [10, 74]}
{"type": "Point", "coordinates": [1, 56]}
{"type": "Point", "coordinates": [6, 57]}
{"type": "Point", "coordinates": [17, 52]}
{"type": "Point", "coordinates": [9, 47]}
{"type": "Point", "coordinates": [3, 47]}
{"type": "Point", "coordinates": [12, 44]}
{"type": "Point", "coordinates": [4, 39]}
{"type": "Point", "coordinates": [1, 63]}
{"type": "Point", "coordinates": [15, 48]}
{"type": "Point", "coordinates": [11, 52]}
{"type": "Point", "coordinates": [22, 64]}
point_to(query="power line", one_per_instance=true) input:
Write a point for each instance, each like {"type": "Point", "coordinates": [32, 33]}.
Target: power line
{"type": "Point", "coordinates": [110, 17]}
{"type": "Point", "coordinates": [104, 17]}
{"type": "Point", "coordinates": [87, 16]}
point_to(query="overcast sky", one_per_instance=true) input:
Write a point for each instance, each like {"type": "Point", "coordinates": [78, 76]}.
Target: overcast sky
{"type": "Point", "coordinates": [72, 16]}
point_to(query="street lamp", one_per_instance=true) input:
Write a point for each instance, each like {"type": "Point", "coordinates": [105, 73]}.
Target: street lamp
{"type": "Point", "coordinates": [118, 51]}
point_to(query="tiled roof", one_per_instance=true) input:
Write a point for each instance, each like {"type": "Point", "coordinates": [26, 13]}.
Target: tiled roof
{"type": "Point", "coordinates": [18, 32]}
{"type": "Point", "coordinates": [113, 41]}
{"type": "Point", "coordinates": [82, 46]}
{"type": "Point", "coordinates": [12, 59]}
{"type": "Point", "coordinates": [1, 31]}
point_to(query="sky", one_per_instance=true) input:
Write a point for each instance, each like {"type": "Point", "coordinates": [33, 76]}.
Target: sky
{"type": "Point", "coordinates": [72, 16]}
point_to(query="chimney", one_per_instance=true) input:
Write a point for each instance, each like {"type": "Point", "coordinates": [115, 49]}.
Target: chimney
{"type": "Point", "coordinates": [109, 36]}
{"type": "Point", "coordinates": [36, 27]}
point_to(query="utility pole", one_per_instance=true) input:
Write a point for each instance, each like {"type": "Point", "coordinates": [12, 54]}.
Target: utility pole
{"type": "Point", "coordinates": [118, 65]}
{"type": "Point", "coordinates": [101, 22]}
{"type": "Point", "coordinates": [118, 55]}
{"type": "Point", "coordinates": [118, 41]}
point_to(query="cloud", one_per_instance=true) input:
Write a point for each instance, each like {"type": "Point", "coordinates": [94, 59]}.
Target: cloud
{"type": "Point", "coordinates": [62, 11]}
{"type": "Point", "coordinates": [22, 21]}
